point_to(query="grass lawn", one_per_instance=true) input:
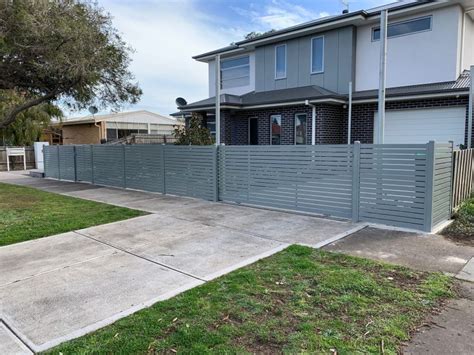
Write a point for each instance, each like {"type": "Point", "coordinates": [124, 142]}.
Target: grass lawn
{"type": "Point", "coordinates": [462, 229]}
{"type": "Point", "coordinates": [27, 213]}
{"type": "Point", "coordinates": [299, 300]}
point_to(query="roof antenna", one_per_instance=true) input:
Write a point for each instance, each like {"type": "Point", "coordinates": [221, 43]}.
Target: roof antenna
{"type": "Point", "coordinates": [346, 5]}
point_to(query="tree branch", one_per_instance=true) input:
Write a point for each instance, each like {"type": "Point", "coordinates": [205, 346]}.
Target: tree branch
{"type": "Point", "coordinates": [11, 115]}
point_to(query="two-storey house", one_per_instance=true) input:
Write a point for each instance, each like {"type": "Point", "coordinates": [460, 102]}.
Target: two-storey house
{"type": "Point", "coordinates": [291, 86]}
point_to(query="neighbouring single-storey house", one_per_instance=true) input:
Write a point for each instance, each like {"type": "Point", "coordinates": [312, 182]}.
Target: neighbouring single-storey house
{"type": "Point", "coordinates": [95, 129]}
{"type": "Point", "coordinates": [292, 86]}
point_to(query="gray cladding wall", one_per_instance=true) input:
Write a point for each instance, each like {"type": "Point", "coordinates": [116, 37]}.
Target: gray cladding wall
{"type": "Point", "coordinates": [339, 60]}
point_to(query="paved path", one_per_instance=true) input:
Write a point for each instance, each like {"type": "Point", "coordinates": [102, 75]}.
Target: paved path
{"type": "Point", "coordinates": [450, 332]}
{"type": "Point", "coordinates": [61, 287]}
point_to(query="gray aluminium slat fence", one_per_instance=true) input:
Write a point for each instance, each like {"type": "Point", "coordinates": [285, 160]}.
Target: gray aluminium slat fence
{"type": "Point", "coordinates": [84, 163]}
{"type": "Point", "coordinates": [67, 164]}
{"type": "Point", "coordinates": [315, 179]}
{"type": "Point", "coordinates": [191, 171]}
{"type": "Point", "coordinates": [393, 184]}
{"type": "Point", "coordinates": [108, 165]}
{"type": "Point", "coordinates": [400, 185]}
{"type": "Point", "coordinates": [144, 167]}
{"type": "Point", "coordinates": [442, 183]}
{"type": "Point", "coordinates": [51, 161]}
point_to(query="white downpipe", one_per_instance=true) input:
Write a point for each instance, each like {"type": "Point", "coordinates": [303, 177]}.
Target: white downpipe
{"type": "Point", "coordinates": [471, 110]}
{"type": "Point", "coordinates": [218, 99]}
{"type": "Point", "coordinates": [313, 122]}
{"type": "Point", "coordinates": [349, 116]}
{"type": "Point", "coordinates": [382, 75]}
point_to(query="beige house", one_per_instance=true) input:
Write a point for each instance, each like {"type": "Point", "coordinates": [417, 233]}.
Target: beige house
{"type": "Point", "coordinates": [94, 129]}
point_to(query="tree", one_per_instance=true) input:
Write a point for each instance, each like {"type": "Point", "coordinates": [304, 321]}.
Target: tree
{"type": "Point", "coordinates": [194, 134]}
{"type": "Point", "coordinates": [66, 51]}
{"type": "Point", "coordinates": [29, 124]}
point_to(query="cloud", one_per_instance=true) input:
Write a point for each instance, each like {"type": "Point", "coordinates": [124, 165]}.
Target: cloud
{"type": "Point", "coordinates": [165, 35]}
{"type": "Point", "coordinates": [278, 14]}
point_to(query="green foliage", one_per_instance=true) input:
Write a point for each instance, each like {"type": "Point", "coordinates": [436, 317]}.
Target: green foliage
{"type": "Point", "coordinates": [462, 229]}
{"type": "Point", "coordinates": [27, 213]}
{"type": "Point", "coordinates": [194, 134]}
{"type": "Point", "coordinates": [30, 124]}
{"type": "Point", "coordinates": [301, 300]}
{"type": "Point", "coordinates": [63, 50]}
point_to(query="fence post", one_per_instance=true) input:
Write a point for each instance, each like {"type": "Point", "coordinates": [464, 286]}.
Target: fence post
{"type": "Point", "coordinates": [75, 163]}
{"type": "Point", "coordinates": [92, 164]}
{"type": "Point", "coordinates": [216, 172]}
{"type": "Point", "coordinates": [430, 170]}
{"type": "Point", "coordinates": [124, 167]}
{"type": "Point", "coordinates": [355, 181]}
{"type": "Point", "coordinates": [163, 167]}
{"type": "Point", "coordinates": [59, 163]}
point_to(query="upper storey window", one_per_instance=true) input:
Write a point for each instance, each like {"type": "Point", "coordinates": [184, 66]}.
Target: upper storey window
{"type": "Point", "coordinates": [280, 61]}
{"type": "Point", "coordinates": [235, 72]}
{"type": "Point", "coordinates": [317, 55]}
{"type": "Point", "coordinates": [404, 28]}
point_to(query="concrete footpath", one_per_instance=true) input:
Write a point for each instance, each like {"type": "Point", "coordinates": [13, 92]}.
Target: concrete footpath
{"type": "Point", "coordinates": [451, 331]}
{"type": "Point", "coordinates": [61, 287]}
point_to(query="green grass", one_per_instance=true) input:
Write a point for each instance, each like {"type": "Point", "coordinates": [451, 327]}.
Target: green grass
{"type": "Point", "coordinates": [462, 229]}
{"type": "Point", "coordinates": [27, 213]}
{"type": "Point", "coordinates": [299, 300]}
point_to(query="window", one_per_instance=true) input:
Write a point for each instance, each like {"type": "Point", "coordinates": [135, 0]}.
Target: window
{"type": "Point", "coordinates": [275, 129]}
{"type": "Point", "coordinates": [235, 72]}
{"type": "Point", "coordinates": [280, 61]}
{"type": "Point", "coordinates": [404, 28]}
{"type": "Point", "coordinates": [210, 123]}
{"type": "Point", "coordinates": [317, 55]}
{"type": "Point", "coordinates": [111, 133]}
{"type": "Point", "coordinates": [300, 128]}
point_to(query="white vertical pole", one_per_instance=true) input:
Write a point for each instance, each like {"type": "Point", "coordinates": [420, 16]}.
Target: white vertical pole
{"type": "Point", "coordinates": [349, 116]}
{"type": "Point", "coordinates": [382, 75]}
{"type": "Point", "coordinates": [471, 110]}
{"type": "Point", "coordinates": [218, 99]}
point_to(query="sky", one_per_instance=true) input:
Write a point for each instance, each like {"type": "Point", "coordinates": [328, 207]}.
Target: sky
{"type": "Point", "coordinates": [165, 34]}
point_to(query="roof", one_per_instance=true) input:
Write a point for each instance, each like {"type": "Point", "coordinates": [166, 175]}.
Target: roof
{"type": "Point", "coordinates": [141, 116]}
{"type": "Point", "coordinates": [267, 97]}
{"type": "Point", "coordinates": [328, 20]}
{"type": "Point", "coordinates": [317, 93]}
{"type": "Point", "coordinates": [461, 84]}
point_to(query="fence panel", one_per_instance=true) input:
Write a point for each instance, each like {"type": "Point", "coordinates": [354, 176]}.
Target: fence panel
{"type": "Point", "coordinates": [315, 179]}
{"type": "Point", "coordinates": [51, 161]}
{"type": "Point", "coordinates": [144, 168]}
{"type": "Point", "coordinates": [108, 165]}
{"type": "Point", "coordinates": [84, 163]}
{"type": "Point", "coordinates": [67, 164]}
{"type": "Point", "coordinates": [393, 184]}
{"type": "Point", "coordinates": [191, 171]}
{"type": "Point", "coordinates": [463, 176]}
{"type": "Point", "coordinates": [442, 183]}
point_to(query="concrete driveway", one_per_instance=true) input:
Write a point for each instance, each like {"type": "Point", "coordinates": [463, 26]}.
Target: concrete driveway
{"type": "Point", "coordinates": [61, 287]}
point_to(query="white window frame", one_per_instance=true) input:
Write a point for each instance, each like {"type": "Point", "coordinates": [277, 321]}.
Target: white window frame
{"type": "Point", "coordinates": [311, 61]}
{"type": "Point", "coordinates": [286, 61]}
{"type": "Point", "coordinates": [306, 136]}
{"type": "Point", "coordinates": [402, 22]}
{"type": "Point", "coordinates": [281, 126]}
{"type": "Point", "coordinates": [238, 66]}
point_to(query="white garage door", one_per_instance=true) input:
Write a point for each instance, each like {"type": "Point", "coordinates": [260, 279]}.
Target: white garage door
{"type": "Point", "coordinates": [424, 125]}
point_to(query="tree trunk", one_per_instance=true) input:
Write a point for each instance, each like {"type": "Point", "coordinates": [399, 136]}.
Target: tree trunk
{"type": "Point", "coordinates": [10, 117]}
